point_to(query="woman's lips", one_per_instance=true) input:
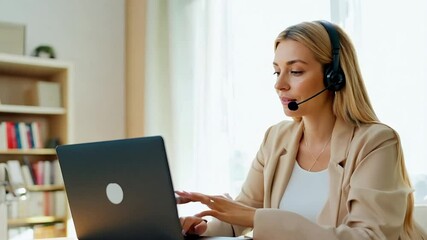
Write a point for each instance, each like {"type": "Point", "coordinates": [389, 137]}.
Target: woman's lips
{"type": "Point", "coordinates": [286, 101]}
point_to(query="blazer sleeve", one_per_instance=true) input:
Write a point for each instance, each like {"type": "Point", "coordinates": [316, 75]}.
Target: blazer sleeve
{"type": "Point", "coordinates": [376, 202]}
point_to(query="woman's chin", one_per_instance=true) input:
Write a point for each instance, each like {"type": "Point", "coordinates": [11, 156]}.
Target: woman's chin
{"type": "Point", "coordinates": [290, 113]}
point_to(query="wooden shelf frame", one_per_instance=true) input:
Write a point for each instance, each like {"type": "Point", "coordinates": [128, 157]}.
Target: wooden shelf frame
{"type": "Point", "coordinates": [33, 151]}
{"type": "Point", "coordinates": [19, 75]}
{"type": "Point", "coordinates": [19, 109]}
{"type": "Point", "coordinates": [45, 188]}
{"type": "Point", "coordinates": [20, 222]}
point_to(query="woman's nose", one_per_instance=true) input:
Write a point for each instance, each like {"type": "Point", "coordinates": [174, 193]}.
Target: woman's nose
{"type": "Point", "coordinates": [281, 83]}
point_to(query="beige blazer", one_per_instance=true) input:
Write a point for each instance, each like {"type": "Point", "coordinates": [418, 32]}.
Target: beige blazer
{"type": "Point", "coordinates": [367, 196]}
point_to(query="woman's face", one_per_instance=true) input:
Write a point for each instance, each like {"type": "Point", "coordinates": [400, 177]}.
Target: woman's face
{"type": "Point", "coordinates": [299, 76]}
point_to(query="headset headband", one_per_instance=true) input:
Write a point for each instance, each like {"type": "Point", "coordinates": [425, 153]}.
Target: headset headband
{"type": "Point", "coordinates": [335, 42]}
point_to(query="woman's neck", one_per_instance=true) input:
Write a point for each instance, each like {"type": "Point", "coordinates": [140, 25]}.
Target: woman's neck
{"type": "Point", "coordinates": [318, 128]}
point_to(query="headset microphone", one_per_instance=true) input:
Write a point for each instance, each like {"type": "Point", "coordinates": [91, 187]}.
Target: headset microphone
{"type": "Point", "coordinates": [293, 106]}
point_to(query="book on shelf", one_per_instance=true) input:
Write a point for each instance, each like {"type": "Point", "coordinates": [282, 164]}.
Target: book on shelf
{"type": "Point", "coordinates": [29, 165]}
{"type": "Point", "coordinates": [15, 181]}
{"type": "Point", "coordinates": [15, 172]}
{"type": "Point", "coordinates": [3, 183]}
{"type": "Point", "coordinates": [26, 173]}
{"type": "Point", "coordinates": [35, 134]}
{"type": "Point", "coordinates": [20, 135]}
{"type": "Point", "coordinates": [46, 172]}
{"type": "Point", "coordinates": [11, 135]}
{"type": "Point", "coordinates": [3, 204]}
{"type": "Point", "coordinates": [38, 202]}
{"type": "Point", "coordinates": [3, 138]}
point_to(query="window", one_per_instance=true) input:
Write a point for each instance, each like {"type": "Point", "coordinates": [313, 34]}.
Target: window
{"type": "Point", "coordinates": [218, 80]}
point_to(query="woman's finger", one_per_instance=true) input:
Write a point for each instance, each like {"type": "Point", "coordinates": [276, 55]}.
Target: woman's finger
{"type": "Point", "coordinates": [187, 223]}
{"type": "Point", "coordinates": [212, 213]}
{"type": "Point", "coordinates": [205, 199]}
{"type": "Point", "coordinates": [195, 197]}
{"type": "Point", "coordinates": [200, 228]}
{"type": "Point", "coordinates": [184, 197]}
{"type": "Point", "coordinates": [182, 200]}
{"type": "Point", "coordinates": [184, 224]}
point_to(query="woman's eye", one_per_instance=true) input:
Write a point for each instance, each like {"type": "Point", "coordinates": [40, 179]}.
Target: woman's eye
{"type": "Point", "coordinates": [296, 73]}
{"type": "Point", "coordinates": [276, 73]}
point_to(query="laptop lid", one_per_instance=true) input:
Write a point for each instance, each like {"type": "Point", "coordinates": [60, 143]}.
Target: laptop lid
{"type": "Point", "coordinates": [120, 189]}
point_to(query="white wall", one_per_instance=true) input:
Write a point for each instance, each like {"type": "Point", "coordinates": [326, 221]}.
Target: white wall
{"type": "Point", "coordinates": [91, 35]}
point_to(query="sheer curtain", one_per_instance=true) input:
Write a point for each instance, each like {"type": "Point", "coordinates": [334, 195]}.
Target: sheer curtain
{"type": "Point", "coordinates": [210, 79]}
{"type": "Point", "coordinates": [209, 83]}
{"type": "Point", "coordinates": [392, 49]}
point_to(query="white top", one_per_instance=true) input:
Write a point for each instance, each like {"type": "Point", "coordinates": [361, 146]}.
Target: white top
{"type": "Point", "coordinates": [306, 192]}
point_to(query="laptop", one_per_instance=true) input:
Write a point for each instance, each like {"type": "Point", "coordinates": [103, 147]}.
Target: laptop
{"type": "Point", "coordinates": [121, 189]}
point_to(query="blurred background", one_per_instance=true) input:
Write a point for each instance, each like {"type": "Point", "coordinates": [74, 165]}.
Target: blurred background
{"type": "Point", "coordinates": [199, 73]}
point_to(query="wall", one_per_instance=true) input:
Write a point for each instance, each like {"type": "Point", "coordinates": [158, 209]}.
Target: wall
{"type": "Point", "coordinates": [91, 35]}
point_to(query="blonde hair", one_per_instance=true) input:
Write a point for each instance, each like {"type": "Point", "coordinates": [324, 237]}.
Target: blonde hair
{"type": "Point", "coordinates": [352, 102]}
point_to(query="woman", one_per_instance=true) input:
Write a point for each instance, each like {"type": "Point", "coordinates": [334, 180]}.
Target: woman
{"type": "Point", "coordinates": [335, 172]}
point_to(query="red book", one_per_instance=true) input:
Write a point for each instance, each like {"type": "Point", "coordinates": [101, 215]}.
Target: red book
{"type": "Point", "coordinates": [48, 203]}
{"type": "Point", "coordinates": [38, 172]}
{"type": "Point", "coordinates": [11, 135]}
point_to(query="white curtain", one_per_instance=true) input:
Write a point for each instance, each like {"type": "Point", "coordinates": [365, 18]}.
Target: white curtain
{"type": "Point", "coordinates": [210, 78]}
{"type": "Point", "coordinates": [392, 49]}
{"type": "Point", "coordinates": [209, 83]}
{"type": "Point", "coordinates": [169, 82]}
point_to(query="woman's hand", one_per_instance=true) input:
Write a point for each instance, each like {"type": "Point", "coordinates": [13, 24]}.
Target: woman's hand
{"type": "Point", "coordinates": [221, 207]}
{"type": "Point", "coordinates": [193, 225]}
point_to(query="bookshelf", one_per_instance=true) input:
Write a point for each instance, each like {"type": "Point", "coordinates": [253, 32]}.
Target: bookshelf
{"type": "Point", "coordinates": [34, 92]}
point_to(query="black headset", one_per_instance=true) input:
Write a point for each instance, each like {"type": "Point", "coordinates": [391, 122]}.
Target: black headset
{"type": "Point", "coordinates": [334, 78]}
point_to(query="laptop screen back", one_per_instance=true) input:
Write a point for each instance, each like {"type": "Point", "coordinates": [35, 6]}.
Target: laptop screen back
{"type": "Point", "coordinates": [120, 189]}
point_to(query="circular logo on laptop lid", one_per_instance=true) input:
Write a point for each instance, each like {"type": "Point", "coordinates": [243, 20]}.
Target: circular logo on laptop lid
{"type": "Point", "coordinates": [114, 193]}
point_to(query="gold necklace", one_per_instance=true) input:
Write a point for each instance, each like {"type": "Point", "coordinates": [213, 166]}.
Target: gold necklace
{"type": "Point", "coordinates": [318, 155]}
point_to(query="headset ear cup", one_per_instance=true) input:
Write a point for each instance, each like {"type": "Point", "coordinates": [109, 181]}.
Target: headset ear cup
{"type": "Point", "coordinates": [339, 81]}
{"type": "Point", "coordinates": [333, 81]}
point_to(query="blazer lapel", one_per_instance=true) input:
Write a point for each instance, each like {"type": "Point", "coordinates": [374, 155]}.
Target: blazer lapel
{"type": "Point", "coordinates": [285, 158]}
{"type": "Point", "coordinates": [341, 138]}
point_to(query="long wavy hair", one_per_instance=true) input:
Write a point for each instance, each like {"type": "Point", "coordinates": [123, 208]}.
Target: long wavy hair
{"type": "Point", "coordinates": [351, 103]}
